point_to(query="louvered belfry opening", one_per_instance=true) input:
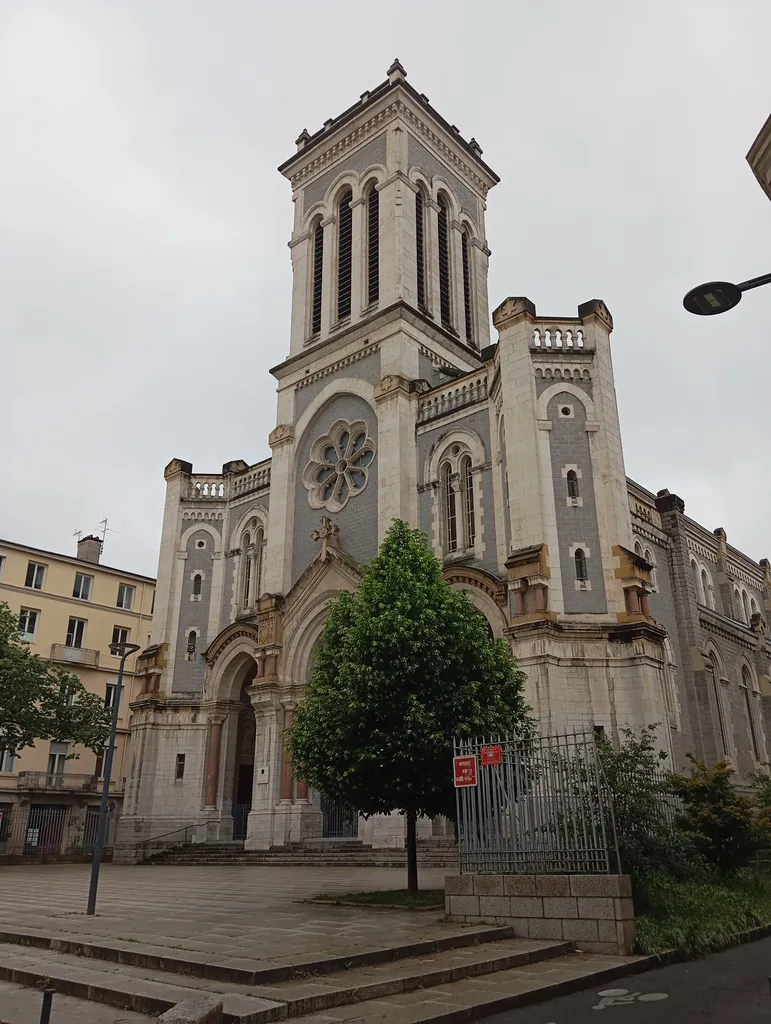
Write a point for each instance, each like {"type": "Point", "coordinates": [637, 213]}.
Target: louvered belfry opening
{"type": "Point", "coordinates": [344, 255]}
{"type": "Point", "coordinates": [373, 245]}
{"type": "Point", "coordinates": [420, 248]}
{"type": "Point", "coordinates": [318, 267]}
{"type": "Point", "coordinates": [444, 264]}
{"type": "Point", "coordinates": [467, 288]}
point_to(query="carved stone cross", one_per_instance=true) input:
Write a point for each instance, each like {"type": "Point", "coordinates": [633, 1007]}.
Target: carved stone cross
{"type": "Point", "coordinates": [327, 535]}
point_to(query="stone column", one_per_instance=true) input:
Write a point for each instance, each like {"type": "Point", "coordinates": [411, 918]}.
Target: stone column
{"type": "Point", "coordinates": [302, 791]}
{"type": "Point", "coordinates": [267, 769]}
{"type": "Point", "coordinates": [286, 767]}
{"type": "Point", "coordinates": [213, 761]}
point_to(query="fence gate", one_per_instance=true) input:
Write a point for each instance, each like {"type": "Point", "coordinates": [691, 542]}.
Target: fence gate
{"type": "Point", "coordinates": [539, 806]}
{"type": "Point", "coordinates": [339, 821]}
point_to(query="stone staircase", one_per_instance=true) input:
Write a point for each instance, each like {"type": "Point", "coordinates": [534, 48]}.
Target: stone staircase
{"type": "Point", "coordinates": [464, 975]}
{"type": "Point", "coordinates": [438, 853]}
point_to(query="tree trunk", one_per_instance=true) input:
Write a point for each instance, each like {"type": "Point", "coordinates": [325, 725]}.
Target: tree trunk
{"type": "Point", "coordinates": [412, 852]}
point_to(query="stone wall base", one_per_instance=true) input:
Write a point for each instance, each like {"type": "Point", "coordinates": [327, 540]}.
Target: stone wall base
{"type": "Point", "coordinates": [594, 911]}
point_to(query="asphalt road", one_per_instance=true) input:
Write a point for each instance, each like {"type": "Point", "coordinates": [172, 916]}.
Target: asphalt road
{"type": "Point", "coordinates": [729, 988]}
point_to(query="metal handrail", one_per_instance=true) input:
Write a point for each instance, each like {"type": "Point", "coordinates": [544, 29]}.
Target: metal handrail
{"type": "Point", "coordinates": [184, 828]}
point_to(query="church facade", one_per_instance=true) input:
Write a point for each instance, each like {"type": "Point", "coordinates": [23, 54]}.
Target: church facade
{"type": "Point", "coordinates": [394, 401]}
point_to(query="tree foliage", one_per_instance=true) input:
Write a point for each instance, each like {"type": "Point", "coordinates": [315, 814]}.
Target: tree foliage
{"type": "Point", "coordinates": [39, 701]}
{"type": "Point", "coordinates": [405, 664]}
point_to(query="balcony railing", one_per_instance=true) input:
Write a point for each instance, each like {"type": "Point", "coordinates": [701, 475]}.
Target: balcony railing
{"type": "Point", "coordinates": [64, 782]}
{"type": "Point", "coordinates": [75, 655]}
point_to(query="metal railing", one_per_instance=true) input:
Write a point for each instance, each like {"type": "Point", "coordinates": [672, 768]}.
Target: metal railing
{"type": "Point", "coordinates": [75, 655]}
{"type": "Point", "coordinates": [32, 831]}
{"type": "Point", "coordinates": [62, 782]}
{"type": "Point", "coordinates": [539, 806]}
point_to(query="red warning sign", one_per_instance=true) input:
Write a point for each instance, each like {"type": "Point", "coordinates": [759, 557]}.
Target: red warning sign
{"type": "Point", "coordinates": [492, 754]}
{"type": "Point", "coordinates": [465, 771]}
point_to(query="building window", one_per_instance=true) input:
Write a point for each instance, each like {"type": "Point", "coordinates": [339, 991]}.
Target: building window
{"type": "Point", "coordinates": [467, 288]}
{"type": "Point", "coordinates": [450, 506]}
{"type": "Point", "coordinates": [126, 596]}
{"type": "Point", "coordinates": [197, 582]}
{"type": "Point", "coordinates": [152, 604]}
{"type": "Point", "coordinates": [82, 588]}
{"type": "Point", "coordinates": [192, 642]}
{"type": "Point", "coordinates": [572, 479]}
{"type": "Point", "coordinates": [36, 574]}
{"type": "Point", "coordinates": [28, 619]}
{"type": "Point", "coordinates": [748, 702]}
{"type": "Point", "coordinates": [7, 760]}
{"type": "Point", "coordinates": [257, 566]}
{"type": "Point", "coordinates": [99, 765]}
{"type": "Point", "coordinates": [120, 635]}
{"type": "Point", "coordinates": [443, 247]}
{"type": "Point", "coordinates": [179, 769]}
{"type": "Point", "coordinates": [247, 576]}
{"type": "Point", "coordinates": [318, 273]}
{"type": "Point", "coordinates": [373, 244]}
{"type": "Point", "coordinates": [468, 494]}
{"type": "Point", "coordinates": [76, 632]}
{"type": "Point", "coordinates": [344, 254]}
{"type": "Point", "coordinates": [420, 247]}
{"type": "Point", "coordinates": [746, 607]}
{"type": "Point", "coordinates": [110, 689]}
{"type": "Point", "coordinates": [57, 758]}
{"type": "Point", "coordinates": [2, 565]}
{"type": "Point", "coordinates": [722, 730]}
{"type": "Point", "coordinates": [580, 562]}
{"type": "Point", "coordinates": [696, 583]}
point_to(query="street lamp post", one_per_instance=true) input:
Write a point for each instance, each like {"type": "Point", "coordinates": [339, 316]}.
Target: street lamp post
{"type": "Point", "coordinates": [124, 650]}
{"type": "Point", "coordinates": [720, 296]}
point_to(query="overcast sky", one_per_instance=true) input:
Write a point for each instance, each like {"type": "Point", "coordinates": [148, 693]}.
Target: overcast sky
{"type": "Point", "coordinates": [144, 273]}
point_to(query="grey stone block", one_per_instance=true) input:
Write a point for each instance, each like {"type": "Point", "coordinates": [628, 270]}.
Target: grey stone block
{"type": "Point", "coordinates": [597, 885]}
{"type": "Point", "coordinates": [580, 931]}
{"type": "Point", "coordinates": [488, 885]}
{"type": "Point", "coordinates": [544, 928]}
{"type": "Point", "coordinates": [196, 1010]}
{"type": "Point", "coordinates": [459, 885]}
{"type": "Point", "coordinates": [598, 907]}
{"type": "Point", "coordinates": [526, 906]}
{"type": "Point", "coordinates": [521, 926]}
{"type": "Point", "coordinates": [519, 885]}
{"type": "Point", "coordinates": [559, 906]}
{"type": "Point", "coordinates": [624, 909]}
{"type": "Point", "coordinates": [552, 885]}
{"type": "Point", "coordinates": [465, 906]}
{"type": "Point", "coordinates": [495, 906]}
{"type": "Point", "coordinates": [607, 932]}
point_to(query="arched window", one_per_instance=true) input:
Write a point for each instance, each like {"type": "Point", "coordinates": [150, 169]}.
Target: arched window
{"type": "Point", "coordinates": [746, 607]}
{"type": "Point", "coordinates": [705, 587]}
{"type": "Point", "coordinates": [465, 246]}
{"type": "Point", "coordinates": [468, 495]}
{"type": "Point", "coordinates": [259, 538]}
{"type": "Point", "coordinates": [373, 244]}
{"type": "Point", "coordinates": [246, 557]}
{"type": "Point", "coordinates": [753, 607]}
{"type": "Point", "coordinates": [450, 507]}
{"type": "Point", "coordinates": [192, 640]}
{"type": "Point", "coordinates": [722, 730]}
{"type": "Point", "coordinates": [580, 560]}
{"type": "Point", "coordinates": [649, 558]}
{"type": "Point", "coordinates": [638, 549]}
{"type": "Point", "coordinates": [318, 271]}
{"type": "Point", "coordinates": [443, 248]}
{"type": "Point", "coordinates": [737, 605]}
{"type": "Point", "coordinates": [344, 254]}
{"type": "Point", "coordinates": [748, 702]}
{"type": "Point", "coordinates": [696, 582]}
{"type": "Point", "coordinates": [572, 479]}
{"type": "Point", "coordinates": [420, 247]}
{"type": "Point", "coordinates": [197, 581]}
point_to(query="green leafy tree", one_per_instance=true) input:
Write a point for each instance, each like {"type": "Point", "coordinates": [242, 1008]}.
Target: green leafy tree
{"type": "Point", "coordinates": [722, 819]}
{"type": "Point", "coordinates": [405, 664]}
{"type": "Point", "coordinates": [39, 701]}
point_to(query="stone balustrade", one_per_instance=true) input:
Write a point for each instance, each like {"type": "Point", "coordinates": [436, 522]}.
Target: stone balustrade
{"type": "Point", "coordinates": [557, 336]}
{"type": "Point", "coordinates": [456, 395]}
{"type": "Point", "coordinates": [256, 479]}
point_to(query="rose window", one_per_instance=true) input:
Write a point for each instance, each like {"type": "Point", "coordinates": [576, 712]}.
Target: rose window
{"type": "Point", "coordinates": [339, 465]}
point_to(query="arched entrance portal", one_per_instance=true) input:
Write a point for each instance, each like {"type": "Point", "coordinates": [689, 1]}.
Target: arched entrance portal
{"type": "Point", "coordinates": [243, 769]}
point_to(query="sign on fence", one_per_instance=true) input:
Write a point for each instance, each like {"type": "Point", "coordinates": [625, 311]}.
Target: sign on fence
{"type": "Point", "coordinates": [492, 754]}
{"type": "Point", "coordinates": [465, 771]}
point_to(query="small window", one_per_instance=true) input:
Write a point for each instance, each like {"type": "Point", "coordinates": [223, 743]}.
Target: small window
{"type": "Point", "coordinates": [152, 604]}
{"type": "Point", "coordinates": [110, 690]}
{"type": "Point", "coordinates": [76, 632]}
{"type": "Point", "coordinates": [443, 248]}
{"type": "Point", "coordinates": [99, 766]}
{"type": "Point", "coordinates": [82, 588]}
{"type": "Point", "coordinates": [318, 272]}
{"type": "Point", "coordinates": [192, 643]}
{"type": "Point", "coordinates": [200, 544]}
{"type": "Point", "coordinates": [580, 561]}
{"type": "Point", "coordinates": [126, 596]}
{"type": "Point", "coordinates": [373, 244]}
{"type": "Point", "coordinates": [7, 760]}
{"type": "Point", "coordinates": [746, 607]}
{"type": "Point", "coordinates": [35, 576]}
{"type": "Point", "coordinates": [469, 316]}
{"type": "Point", "coordinates": [468, 488]}
{"type": "Point", "coordinates": [572, 480]}
{"type": "Point", "coordinates": [120, 635]}
{"type": "Point", "coordinates": [344, 255]}
{"type": "Point", "coordinates": [2, 565]}
{"type": "Point", "coordinates": [28, 620]}
{"type": "Point", "coordinates": [451, 512]}
{"type": "Point", "coordinates": [748, 700]}
{"type": "Point", "coordinates": [179, 770]}
{"type": "Point", "coordinates": [420, 248]}
{"type": "Point", "coordinates": [57, 758]}
{"type": "Point", "coordinates": [197, 581]}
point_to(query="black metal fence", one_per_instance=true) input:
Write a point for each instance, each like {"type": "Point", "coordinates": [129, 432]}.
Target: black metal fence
{"type": "Point", "coordinates": [40, 830]}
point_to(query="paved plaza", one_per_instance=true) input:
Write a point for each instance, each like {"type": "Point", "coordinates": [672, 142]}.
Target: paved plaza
{"type": "Point", "coordinates": [239, 911]}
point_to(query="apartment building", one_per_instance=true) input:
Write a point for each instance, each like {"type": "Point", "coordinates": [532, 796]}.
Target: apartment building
{"type": "Point", "coordinates": [70, 609]}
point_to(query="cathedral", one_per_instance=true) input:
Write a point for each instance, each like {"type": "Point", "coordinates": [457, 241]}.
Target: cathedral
{"type": "Point", "coordinates": [395, 401]}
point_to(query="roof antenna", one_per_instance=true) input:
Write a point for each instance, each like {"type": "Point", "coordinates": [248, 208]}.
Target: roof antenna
{"type": "Point", "coordinates": [105, 531]}
{"type": "Point", "coordinates": [78, 534]}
